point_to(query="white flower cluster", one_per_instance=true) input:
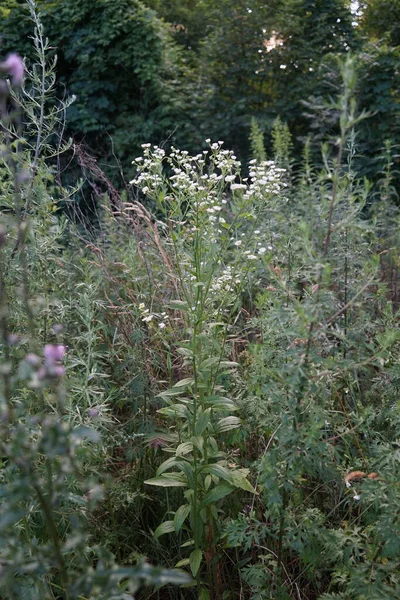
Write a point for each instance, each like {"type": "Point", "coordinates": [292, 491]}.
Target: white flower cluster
{"type": "Point", "coordinates": [258, 251]}
{"type": "Point", "coordinates": [196, 194]}
{"type": "Point", "coordinates": [265, 178]}
{"type": "Point", "coordinates": [149, 177]}
{"type": "Point", "coordinates": [147, 316]}
{"type": "Point", "coordinates": [226, 281]}
{"type": "Point", "coordinates": [189, 176]}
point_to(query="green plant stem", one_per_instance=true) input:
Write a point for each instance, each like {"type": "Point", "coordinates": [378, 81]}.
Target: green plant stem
{"type": "Point", "coordinates": [281, 534]}
{"type": "Point", "coordinates": [6, 350]}
{"type": "Point", "coordinates": [52, 529]}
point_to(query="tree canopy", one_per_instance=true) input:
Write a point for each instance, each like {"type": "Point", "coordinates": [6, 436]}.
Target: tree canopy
{"type": "Point", "coordinates": [181, 71]}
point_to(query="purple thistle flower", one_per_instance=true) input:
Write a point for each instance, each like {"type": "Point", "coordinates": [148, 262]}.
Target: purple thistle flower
{"type": "Point", "coordinates": [58, 371]}
{"type": "Point", "coordinates": [53, 353]}
{"type": "Point", "coordinates": [32, 359]}
{"type": "Point", "coordinates": [14, 67]}
{"type": "Point", "coordinates": [157, 443]}
{"type": "Point", "coordinates": [41, 374]}
{"type": "Point", "coordinates": [13, 339]}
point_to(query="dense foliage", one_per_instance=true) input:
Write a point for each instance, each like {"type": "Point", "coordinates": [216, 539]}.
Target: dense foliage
{"type": "Point", "coordinates": [205, 376]}
{"type": "Point", "coordinates": [177, 72]}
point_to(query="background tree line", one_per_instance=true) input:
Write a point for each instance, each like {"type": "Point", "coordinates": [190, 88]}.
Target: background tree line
{"type": "Point", "coordinates": [176, 72]}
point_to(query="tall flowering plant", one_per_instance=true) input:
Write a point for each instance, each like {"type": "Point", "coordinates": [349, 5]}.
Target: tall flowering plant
{"type": "Point", "coordinates": [213, 233]}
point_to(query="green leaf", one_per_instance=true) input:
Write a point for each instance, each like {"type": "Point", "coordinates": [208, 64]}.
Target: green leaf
{"type": "Point", "coordinates": [184, 382]}
{"type": "Point", "coordinates": [168, 393]}
{"type": "Point", "coordinates": [195, 561]}
{"type": "Point", "coordinates": [185, 352]}
{"type": "Point", "coordinates": [218, 471]}
{"type": "Point", "coordinates": [166, 527]}
{"type": "Point", "coordinates": [220, 491]}
{"type": "Point", "coordinates": [227, 424]}
{"type": "Point", "coordinates": [179, 305]}
{"type": "Point", "coordinates": [167, 464]}
{"type": "Point", "coordinates": [180, 516]}
{"type": "Point", "coordinates": [184, 448]}
{"type": "Point", "coordinates": [220, 403]}
{"type": "Point", "coordinates": [187, 544]}
{"type": "Point", "coordinates": [202, 421]}
{"type": "Point", "coordinates": [209, 362]}
{"type": "Point", "coordinates": [388, 338]}
{"type": "Point", "coordinates": [187, 468]}
{"type": "Point", "coordinates": [182, 563]}
{"type": "Point", "coordinates": [175, 410]}
{"type": "Point", "coordinates": [228, 363]}
{"type": "Point", "coordinates": [204, 594]}
{"type": "Point", "coordinates": [198, 442]}
{"type": "Point", "coordinates": [165, 482]}
{"type": "Point", "coordinates": [240, 480]}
